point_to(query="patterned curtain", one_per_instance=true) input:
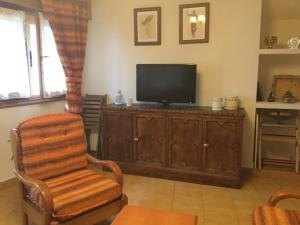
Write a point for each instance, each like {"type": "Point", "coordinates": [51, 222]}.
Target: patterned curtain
{"type": "Point", "coordinates": [69, 22]}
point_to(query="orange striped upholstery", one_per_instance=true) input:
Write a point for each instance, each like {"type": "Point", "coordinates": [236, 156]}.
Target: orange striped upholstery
{"type": "Point", "coordinates": [78, 192]}
{"type": "Point", "coordinates": [69, 23]}
{"type": "Point", "coordinates": [275, 216]}
{"type": "Point", "coordinates": [52, 145]}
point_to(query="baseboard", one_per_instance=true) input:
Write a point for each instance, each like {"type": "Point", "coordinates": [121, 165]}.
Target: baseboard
{"type": "Point", "coordinates": [8, 183]}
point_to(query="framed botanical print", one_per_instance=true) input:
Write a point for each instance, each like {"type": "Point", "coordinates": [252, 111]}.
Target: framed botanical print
{"type": "Point", "coordinates": [147, 26]}
{"type": "Point", "coordinates": [194, 23]}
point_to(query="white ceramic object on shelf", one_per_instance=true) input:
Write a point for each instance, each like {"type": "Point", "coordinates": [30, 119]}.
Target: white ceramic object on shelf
{"type": "Point", "coordinates": [231, 103]}
{"type": "Point", "coordinates": [129, 102]}
{"type": "Point", "coordinates": [217, 104]}
{"type": "Point", "coordinates": [293, 43]}
{"type": "Point", "coordinates": [119, 99]}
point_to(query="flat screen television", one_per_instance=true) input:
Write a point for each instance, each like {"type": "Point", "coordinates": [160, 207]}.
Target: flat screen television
{"type": "Point", "coordinates": [166, 83]}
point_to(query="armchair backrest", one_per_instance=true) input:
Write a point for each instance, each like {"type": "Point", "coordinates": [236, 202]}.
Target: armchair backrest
{"type": "Point", "coordinates": [51, 145]}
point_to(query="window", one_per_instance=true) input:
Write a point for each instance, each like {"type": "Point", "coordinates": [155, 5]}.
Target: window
{"type": "Point", "coordinates": [30, 67]}
{"type": "Point", "coordinates": [54, 78]}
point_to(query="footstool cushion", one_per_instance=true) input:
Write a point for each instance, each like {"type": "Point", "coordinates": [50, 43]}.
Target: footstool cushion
{"type": "Point", "coordinates": [134, 215]}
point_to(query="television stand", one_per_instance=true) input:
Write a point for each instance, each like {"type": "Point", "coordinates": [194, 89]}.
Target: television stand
{"type": "Point", "coordinates": [193, 144]}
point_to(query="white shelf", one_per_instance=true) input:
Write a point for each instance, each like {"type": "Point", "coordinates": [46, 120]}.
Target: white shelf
{"type": "Point", "coordinates": [277, 105]}
{"type": "Point", "coordinates": [281, 51]}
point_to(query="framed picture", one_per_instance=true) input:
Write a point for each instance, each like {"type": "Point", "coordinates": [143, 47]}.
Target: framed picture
{"type": "Point", "coordinates": [194, 23]}
{"type": "Point", "coordinates": [147, 26]}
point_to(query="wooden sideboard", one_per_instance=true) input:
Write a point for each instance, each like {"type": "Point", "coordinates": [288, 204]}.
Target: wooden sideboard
{"type": "Point", "coordinates": [193, 144]}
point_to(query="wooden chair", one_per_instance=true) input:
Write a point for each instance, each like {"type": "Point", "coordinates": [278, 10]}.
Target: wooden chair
{"type": "Point", "coordinates": [56, 178]}
{"type": "Point", "coordinates": [284, 126]}
{"type": "Point", "coordinates": [271, 215]}
{"type": "Point", "coordinates": [91, 119]}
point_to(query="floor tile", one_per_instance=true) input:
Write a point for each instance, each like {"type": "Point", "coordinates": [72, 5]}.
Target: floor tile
{"type": "Point", "coordinates": [188, 189]}
{"type": "Point", "coordinates": [156, 200]}
{"type": "Point", "coordinates": [187, 202]}
{"type": "Point", "coordinates": [245, 218]}
{"type": "Point", "coordinates": [220, 218]}
{"type": "Point", "coordinates": [161, 186]}
{"type": "Point", "coordinates": [213, 205]}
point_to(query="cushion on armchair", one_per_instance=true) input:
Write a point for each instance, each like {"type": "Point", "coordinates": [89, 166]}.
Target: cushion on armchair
{"type": "Point", "coordinates": [77, 192]}
{"type": "Point", "coordinates": [52, 145]}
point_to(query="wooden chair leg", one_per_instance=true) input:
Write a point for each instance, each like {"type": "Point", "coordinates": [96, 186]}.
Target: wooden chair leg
{"type": "Point", "coordinates": [99, 145]}
{"type": "Point", "coordinates": [88, 140]}
{"type": "Point", "coordinates": [124, 200]}
{"type": "Point", "coordinates": [24, 218]}
{"type": "Point", "coordinates": [259, 151]}
{"type": "Point", "coordinates": [297, 159]}
{"type": "Point", "coordinates": [256, 140]}
{"type": "Point", "coordinates": [259, 143]}
{"type": "Point", "coordinates": [297, 144]}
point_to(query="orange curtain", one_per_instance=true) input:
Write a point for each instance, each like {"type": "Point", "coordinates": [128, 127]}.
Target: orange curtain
{"type": "Point", "coordinates": [69, 22]}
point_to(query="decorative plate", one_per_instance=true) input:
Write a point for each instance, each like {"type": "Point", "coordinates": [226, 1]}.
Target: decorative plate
{"type": "Point", "coordinates": [293, 42]}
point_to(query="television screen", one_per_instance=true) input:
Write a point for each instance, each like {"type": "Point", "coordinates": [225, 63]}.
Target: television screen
{"type": "Point", "coordinates": [166, 83]}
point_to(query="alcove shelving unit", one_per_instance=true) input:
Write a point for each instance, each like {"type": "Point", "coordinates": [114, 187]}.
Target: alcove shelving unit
{"type": "Point", "coordinates": [280, 19]}
{"type": "Point", "coordinates": [279, 51]}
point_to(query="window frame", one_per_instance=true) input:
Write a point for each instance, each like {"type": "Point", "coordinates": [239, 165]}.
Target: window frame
{"type": "Point", "coordinates": [4, 103]}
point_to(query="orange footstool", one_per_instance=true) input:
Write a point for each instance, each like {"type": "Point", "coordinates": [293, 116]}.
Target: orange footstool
{"type": "Point", "coordinates": [134, 215]}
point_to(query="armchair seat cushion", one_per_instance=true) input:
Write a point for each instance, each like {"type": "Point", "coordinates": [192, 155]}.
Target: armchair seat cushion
{"type": "Point", "coordinates": [77, 192]}
{"type": "Point", "coordinates": [275, 216]}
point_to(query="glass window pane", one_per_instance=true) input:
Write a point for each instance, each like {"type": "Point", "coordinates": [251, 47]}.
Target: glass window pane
{"type": "Point", "coordinates": [14, 82]}
{"type": "Point", "coordinates": [53, 73]}
{"type": "Point", "coordinates": [33, 57]}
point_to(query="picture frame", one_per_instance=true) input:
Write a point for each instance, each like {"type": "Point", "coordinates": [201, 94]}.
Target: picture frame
{"type": "Point", "coordinates": [147, 26]}
{"type": "Point", "coordinates": [284, 83]}
{"type": "Point", "coordinates": [194, 23]}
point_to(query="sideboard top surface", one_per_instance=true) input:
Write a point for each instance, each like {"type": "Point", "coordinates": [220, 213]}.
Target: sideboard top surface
{"type": "Point", "coordinates": [203, 110]}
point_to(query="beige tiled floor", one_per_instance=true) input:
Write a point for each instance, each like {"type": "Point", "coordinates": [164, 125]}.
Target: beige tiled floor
{"type": "Point", "coordinates": [213, 205]}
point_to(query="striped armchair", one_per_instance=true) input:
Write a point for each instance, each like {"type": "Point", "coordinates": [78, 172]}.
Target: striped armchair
{"type": "Point", "coordinates": [271, 215]}
{"type": "Point", "coordinates": [56, 177]}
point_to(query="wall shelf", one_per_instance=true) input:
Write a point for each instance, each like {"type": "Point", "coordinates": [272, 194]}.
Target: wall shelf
{"type": "Point", "coordinates": [280, 51]}
{"type": "Point", "coordinates": [277, 105]}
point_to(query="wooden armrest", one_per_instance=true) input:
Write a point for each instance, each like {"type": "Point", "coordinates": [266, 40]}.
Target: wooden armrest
{"type": "Point", "coordinates": [110, 165]}
{"type": "Point", "coordinates": [283, 194]}
{"type": "Point", "coordinates": [40, 186]}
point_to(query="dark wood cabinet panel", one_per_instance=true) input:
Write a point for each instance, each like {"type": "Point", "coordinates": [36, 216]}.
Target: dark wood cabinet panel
{"type": "Point", "coordinates": [149, 139]}
{"type": "Point", "coordinates": [117, 136]}
{"type": "Point", "coordinates": [185, 142]}
{"type": "Point", "coordinates": [191, 144]}
{"type": "Point", "coordinates": [222, 144]}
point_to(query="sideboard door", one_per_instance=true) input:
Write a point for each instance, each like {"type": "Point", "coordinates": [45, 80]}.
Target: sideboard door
{"type": "Point", "coordinates": [185, 142]}
{"type": "Point", "coordinates": [117, 136]}
{"type": "Point", "coordinates": [149, 139]}
{"type": "Point", "coordinates": [222, 146]}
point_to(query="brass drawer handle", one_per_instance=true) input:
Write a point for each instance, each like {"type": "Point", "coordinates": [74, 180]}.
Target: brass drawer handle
{"type": "Point", "coordinates": [206, 145]}
{"type": "Point", "coordinates": [136, 139]}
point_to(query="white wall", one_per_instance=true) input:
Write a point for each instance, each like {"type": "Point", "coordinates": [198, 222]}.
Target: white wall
{"type": "Point", "coordinates": [9, 119]}
{"type": "Point", "coordinates": [285, 29]}
{"type": "Point", "coordinates": [227, 65]}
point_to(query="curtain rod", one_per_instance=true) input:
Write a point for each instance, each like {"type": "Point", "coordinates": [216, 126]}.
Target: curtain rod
{"type": "Point", "coordinates": [25, 7]}
{"type": "Point", "coordinates": [19, 6]}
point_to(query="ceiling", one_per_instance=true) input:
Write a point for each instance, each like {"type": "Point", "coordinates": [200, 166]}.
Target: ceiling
{"type": "Point", "coordinates": [282, 9]}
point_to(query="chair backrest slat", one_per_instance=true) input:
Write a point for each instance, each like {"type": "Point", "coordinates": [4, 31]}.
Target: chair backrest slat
{"type": "Point", "coordinates": [91, 111]}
